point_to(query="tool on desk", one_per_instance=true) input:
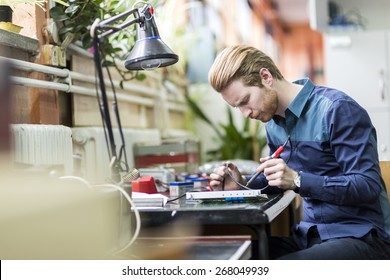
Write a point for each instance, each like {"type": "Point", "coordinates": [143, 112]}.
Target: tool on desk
{"type": "Point", "coordinates": [126, 180]}
{"type": "Point", "coordinates": [144, 184]}
{"type": "Point", "coordinates": [276, 154]}
{"type": "Point", "coordinates": [130, 176]}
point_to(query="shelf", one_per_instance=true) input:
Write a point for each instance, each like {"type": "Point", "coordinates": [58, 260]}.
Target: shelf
{"type": "Point", "coordinates": [349, 16]}
{"type": "Point", "coordinates": [21, 42]}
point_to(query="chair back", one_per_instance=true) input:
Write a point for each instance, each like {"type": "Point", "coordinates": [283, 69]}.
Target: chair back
{"type": "Point", "coordinates": [385, 170]}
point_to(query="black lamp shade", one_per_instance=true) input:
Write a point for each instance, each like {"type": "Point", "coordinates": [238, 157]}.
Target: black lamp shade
{"type": "Point", "coordinates": [149, 51]}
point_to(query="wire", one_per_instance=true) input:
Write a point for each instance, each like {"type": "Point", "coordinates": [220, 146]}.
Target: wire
{"type": "Point", "coordinates": [176, 198]}
{"type": "Point", "coordinates": [136, 214]}
{"type": "Point", "coordinates": [139, 2]}
{"type": "Point", "coordinates": [238, 183]}
{"type": "Point", "coordinates": [122, 150]}
{"type": "Point", "coordinates": [128, 198]}
{"type": "Point", "coordinates": [160, 183]}
{"type": "Point", "coordinates": [291, 148]}
{"type": "Point", "coordinates": [82, 180]}
{"type": "Point", "coordinates": [246, 186]}
{"type": "Point", "coordinates": [208, 188]}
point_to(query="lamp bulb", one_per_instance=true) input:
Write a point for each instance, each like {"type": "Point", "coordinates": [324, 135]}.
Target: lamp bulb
{"type": "Point", "coordinates": [150, 65]}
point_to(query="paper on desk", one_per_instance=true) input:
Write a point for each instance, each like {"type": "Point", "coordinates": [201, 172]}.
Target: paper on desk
{"type": "Point", "coordinates": [149, 200]}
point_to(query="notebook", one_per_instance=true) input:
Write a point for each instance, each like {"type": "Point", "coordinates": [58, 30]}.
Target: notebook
{"type": "Point", "coordinates": [145, 200]}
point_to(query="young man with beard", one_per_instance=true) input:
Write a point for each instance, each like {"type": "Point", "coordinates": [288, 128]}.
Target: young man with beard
{"type": "Point", "coordinates": [330, 159]}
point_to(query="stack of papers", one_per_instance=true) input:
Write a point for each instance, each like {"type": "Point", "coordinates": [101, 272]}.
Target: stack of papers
{"type": "Point", "coordinates": [146, 200]}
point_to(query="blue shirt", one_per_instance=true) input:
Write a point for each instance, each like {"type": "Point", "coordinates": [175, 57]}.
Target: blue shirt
{"type": "Point", "coordinates": [334, 146]}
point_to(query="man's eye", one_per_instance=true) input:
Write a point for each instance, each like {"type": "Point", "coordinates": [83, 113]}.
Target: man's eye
{"type": "Point", "coordinates": [245, 101]}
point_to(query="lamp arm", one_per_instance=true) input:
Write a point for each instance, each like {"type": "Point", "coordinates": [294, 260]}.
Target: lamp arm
{"type": "Point", "coordinates": [120, 16]}
{"type": "Point", "coordinates": [105, 24]}
{"type": "Point", "coordinates": [105, 112]}
{"type": "Point", "coordinates": [99, 31]}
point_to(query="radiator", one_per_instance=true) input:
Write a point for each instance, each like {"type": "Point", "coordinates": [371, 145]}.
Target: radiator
{"type": "Point", "coordinates": [42, 146]}
{"type": "Point", "coordinates": [90, 148]}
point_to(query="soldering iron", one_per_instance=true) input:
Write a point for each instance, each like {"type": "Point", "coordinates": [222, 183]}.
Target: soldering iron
{"type": "Point", "coordinates": [276, 154]}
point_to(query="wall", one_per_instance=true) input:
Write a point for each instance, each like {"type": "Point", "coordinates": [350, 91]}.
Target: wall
{"type": "Point", "coordinates": [295, 48]}
{"type": "Point", "coordinates": [344, 15]}
{"type": "Point", "coordinates": [36, 105]}
{"type": "Point", "coordinates": [24, 15]}
{"type": "Point", "coordinates": [301, 54]}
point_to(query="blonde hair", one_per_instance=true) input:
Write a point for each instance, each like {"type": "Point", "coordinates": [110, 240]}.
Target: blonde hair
{"type": "Point", "coordinates": [240, 62]}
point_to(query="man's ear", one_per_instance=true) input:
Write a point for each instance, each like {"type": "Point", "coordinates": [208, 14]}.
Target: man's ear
{"type": "Point", "coordinates": [266, 77]}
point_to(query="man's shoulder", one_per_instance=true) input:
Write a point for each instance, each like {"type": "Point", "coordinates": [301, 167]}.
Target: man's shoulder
{"type": "Point", "coordinates": [331, 94]}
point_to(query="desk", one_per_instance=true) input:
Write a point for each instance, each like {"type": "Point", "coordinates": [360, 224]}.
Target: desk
{"type": "Point", "coordinates": [255, 215]}
{"type": "Point", "coordinates": [190, 248]}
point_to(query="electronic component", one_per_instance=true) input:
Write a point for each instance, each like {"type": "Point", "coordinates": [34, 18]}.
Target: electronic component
{"type": "Point", "coordinates": [233, 195]}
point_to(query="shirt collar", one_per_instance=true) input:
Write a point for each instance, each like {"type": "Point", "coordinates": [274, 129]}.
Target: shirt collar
{"type": "Point", "coordinates": [299, 102]}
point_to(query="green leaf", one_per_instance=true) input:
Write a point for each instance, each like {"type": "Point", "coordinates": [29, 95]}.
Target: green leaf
{"type": "Point", "coordinates": [57, 13]}
{"type": "Point", "coordinates": [72, 9]}
{"type": "Point", "coordinates": [140, 76]}
{"type": "Point", "coordinates": [64, 30]}
{"type": "Point", "coordinates": [198, 112]}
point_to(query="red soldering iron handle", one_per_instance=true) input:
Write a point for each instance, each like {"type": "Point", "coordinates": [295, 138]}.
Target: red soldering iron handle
{"type": "Point", "coordinates": [278, 152]}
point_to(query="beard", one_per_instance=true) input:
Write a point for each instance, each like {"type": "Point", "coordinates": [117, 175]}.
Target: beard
{"type": "Point", "coordinates": [269, 105]}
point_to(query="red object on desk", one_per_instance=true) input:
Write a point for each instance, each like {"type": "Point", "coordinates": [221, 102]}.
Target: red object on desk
{"type": "Point", "coordinates": [144, 184]}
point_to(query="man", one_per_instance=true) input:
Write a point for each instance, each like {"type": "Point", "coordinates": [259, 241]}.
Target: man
{"type": "Point", "coordinates": [330, 158]}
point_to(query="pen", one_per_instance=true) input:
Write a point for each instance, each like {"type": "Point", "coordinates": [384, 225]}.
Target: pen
{"type": "Point", "coordinates": [276, 154]}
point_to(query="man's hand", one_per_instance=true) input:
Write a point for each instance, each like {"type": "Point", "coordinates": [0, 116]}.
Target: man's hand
{"type": "Point", "coordinates": [278, 173]}
{"type": "Point", "coordinates": [221, 177]}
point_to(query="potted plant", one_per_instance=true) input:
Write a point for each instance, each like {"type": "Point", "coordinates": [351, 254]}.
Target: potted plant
{"type": "Point", "coordinates": [74, 21]}
{"type": "Point", "coordinates": [8, 6]}
{"type": "Point", "coordinates": [13, 3]}
{"type": "Point", "coordinates": [5, 13]}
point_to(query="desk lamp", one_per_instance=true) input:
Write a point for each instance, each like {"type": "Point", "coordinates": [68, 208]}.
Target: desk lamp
{"type": "Point", "coordinates": [148, 53]}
